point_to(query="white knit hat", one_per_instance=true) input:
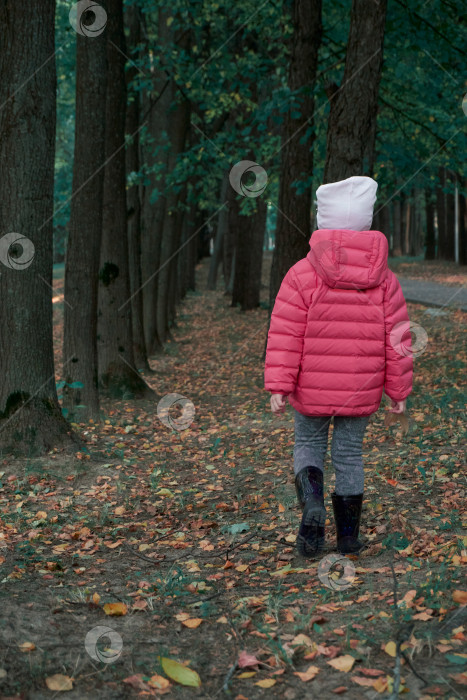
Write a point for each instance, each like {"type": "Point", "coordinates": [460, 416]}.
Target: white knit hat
{"type": "Point", "coordinates": [347, 204]}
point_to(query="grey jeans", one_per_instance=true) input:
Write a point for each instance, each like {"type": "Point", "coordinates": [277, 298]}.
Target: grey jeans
{"type": "Point", "coordinates": [311, 442]}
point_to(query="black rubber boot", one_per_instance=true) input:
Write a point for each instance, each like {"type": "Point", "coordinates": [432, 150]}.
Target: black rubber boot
{"type": "Point", "coordinates": [347, 514]}
{"type": "Point", "coordinates": [309, 487]}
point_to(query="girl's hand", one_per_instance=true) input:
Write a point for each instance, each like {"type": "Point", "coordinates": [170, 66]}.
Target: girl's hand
{"type": "Point", "coordinates": [277, 404]}
{"type": "Point", "coordinates": [398, 406]}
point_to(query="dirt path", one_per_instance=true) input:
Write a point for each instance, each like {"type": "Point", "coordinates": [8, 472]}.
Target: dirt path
{"type": "Point", "coordinates": [190, 534]}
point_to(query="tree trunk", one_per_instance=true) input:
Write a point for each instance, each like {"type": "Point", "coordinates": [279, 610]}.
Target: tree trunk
{"type": "Point", "coordinates": [441, 214]}
{"type": "Point", "coordinates": [156, 154]}
{"type": "Point", "coordinates": [30, 418]}
{"type": "Point", "coordinates": [249, 232]}
{"type": "Point", "coordinates": [430, 241]}
{"type": "Point", "coordinates": [293, 216]}
{"type": "Point", "coordinates": [222, 226]}
{"type": "Point", "coordinates": [178, 121]}
{"type": "Point", "coordinates": [133, 199]}
{"type": "Point", "coordinates": [354, 104]}
{"type": "Point", "coordinates": [462, 221]}
{"type": "Point", "coordinates": [405, 220]}
{"type": "Point", "coordinates": [396, 243]}
{"type": "Point", "coordinates": [229, 242]}
{"type": "Point", "coordinates": [118, 376]}
{"type": "Point", "coordinates": [450, 217]}
{"type": "Point", "coordinates": [82, 255]}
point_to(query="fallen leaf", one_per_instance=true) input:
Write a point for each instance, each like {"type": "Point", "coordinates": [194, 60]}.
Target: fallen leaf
{"type": "Point", "coordinates": [367, 682]}
{"type": "Point", "coordinates": [115, 609]}
{"type": "Point", "coordinates": [460, 678]}
{"type": "Point", "coordinates": [245, 659]}
{"type": "Point", "coordinates": [180, 673]}
{"type": "Point", "coordinates": [309, 674]}
{"type": "Point", "coordinates": [59, 682]}
{"type": "Point", "coordinates": [192, 622]}
{"type": "Point", "coordinates": [246, 674]}
{"type": "Point", "coordinates": [27, 646]}
{"type": "Point", "coordinates": [159, 682]}
{"type": "Point", "coordinates": [266, 683]}
{"type": "Point", "coordinates": [460, 597]}
{"type": "Point", "coordinates": [342, 663]}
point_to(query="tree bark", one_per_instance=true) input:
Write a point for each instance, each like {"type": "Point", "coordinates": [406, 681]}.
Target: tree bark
{"type": "Point", "coordinates": [249, 236]}
{"type": "Point", "coordinates": [133, 194]}
{"type": "Point", "coordinates": [450, 217]}
{"type": "Point", "coordinates": [441, 214]}
{"type": "Point", "coordinates": [462, 221]}
{"type": "Point", "coordinates": [430, 240]}
{"type": "Point", "coordinates": [118, 376]}
{"type": "Point", "coordinates": [222, 226]}
{"type": "Point", "coordinates": [156, 153]}
{"type": "Point", "coordinates": [396, 241]}
{"type": "Point", "coordinates": [293, 216]}
{"type": "Point", "coordinates": [30, 418]}
{"type": "Point", "coordinates": [80, 392]}
{"type": "Point", "coordinates": [178, 121]}
{"type": "Point", "coordinates": [351, 125]}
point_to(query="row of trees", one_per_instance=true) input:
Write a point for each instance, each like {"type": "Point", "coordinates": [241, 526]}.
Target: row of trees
{"type": "Point", "coordinates": [156, 106]}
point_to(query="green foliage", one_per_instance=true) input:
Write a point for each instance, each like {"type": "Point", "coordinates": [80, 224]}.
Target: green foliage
{"type": "Point", "coordinates": [234, 72]}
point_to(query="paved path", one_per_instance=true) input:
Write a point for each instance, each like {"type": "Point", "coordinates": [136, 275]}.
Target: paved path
{"type": "Point", "coordinates": [433, 294]}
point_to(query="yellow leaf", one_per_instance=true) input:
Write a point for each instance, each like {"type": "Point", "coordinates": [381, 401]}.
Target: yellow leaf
{"type": "Point", "coordinates": [302, 639]}
{"type": "Point", "coordinates": [165, 492]}
{"type": "Point", "coordinates": [59, 682]}
{"type": "Point", "coordinates": [179, 673]}
{"type": "Point", "coordinates": [144, 547]}
{"type": "Point", "coordinates": [115, 609]}
{"type": "Point", "coordinates": [192, 623]}
{"type": "Point", "coordinates": [342, 663]}
{"type": "Point", "coordinates": [246, 674]}
{"type": "Point", "coordinates": [390, 649]}
{"type": "Point", "coordinates": [241, 567]}
{"type": "Point", "coordinates": [309, 674]}
{"type": "Point", "coordinates": [381, 684]}
{"type": "Point", "coordinates": [96, 598]}
{"type": "Point", "coordinates": [266, 683]}
{"type": "Point", "coordinates": [41, 515]}
{"type": "Point", "coordinates": [120, 510]}
{"type": "Point", "coordinates": [27, 646]}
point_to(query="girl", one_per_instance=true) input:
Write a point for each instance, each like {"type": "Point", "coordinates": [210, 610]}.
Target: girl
{"type": "Point", "coordinates": [339, 335]}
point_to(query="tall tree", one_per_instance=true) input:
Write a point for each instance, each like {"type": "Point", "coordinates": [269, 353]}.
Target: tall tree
{"type": "Point", "coordinates": [133, 124]}
{"type": "Point", "coordinates": [293, 215]}
{"type": "Point", "coordinates": [249, 241]}
{"type": "Point", "coordinates": [85, 230]}
{"type": "Point", "coordinates": [354, 104]}
{"type": "Point", "coordinates": [30, 416]}
{"type": "Point", "coordinates": [118, 375]}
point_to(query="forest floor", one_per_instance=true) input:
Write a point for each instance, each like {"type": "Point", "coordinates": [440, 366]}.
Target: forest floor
{"type": "Point", "coordinates": [182, 541]}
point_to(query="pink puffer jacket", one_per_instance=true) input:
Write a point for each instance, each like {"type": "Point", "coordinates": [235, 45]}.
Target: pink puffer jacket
{"type": "Point", "coordinates": [339, 330]}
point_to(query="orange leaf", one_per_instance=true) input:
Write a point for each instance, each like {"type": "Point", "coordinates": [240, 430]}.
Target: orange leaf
{"type": "Point", "coordinates": [115, 609]}
{"type": "Point", "coordinates": [192, 623]}
{"type": "Point", "coordinates": [309, 674]}
{"type": "Point", "coordinates": [460, 597]}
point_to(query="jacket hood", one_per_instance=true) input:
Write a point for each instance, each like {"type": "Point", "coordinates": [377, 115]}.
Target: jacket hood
{"type": "Point", "coordinates": [348, 259]}
{"type": "Point", "coordinates": [347, 204]}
